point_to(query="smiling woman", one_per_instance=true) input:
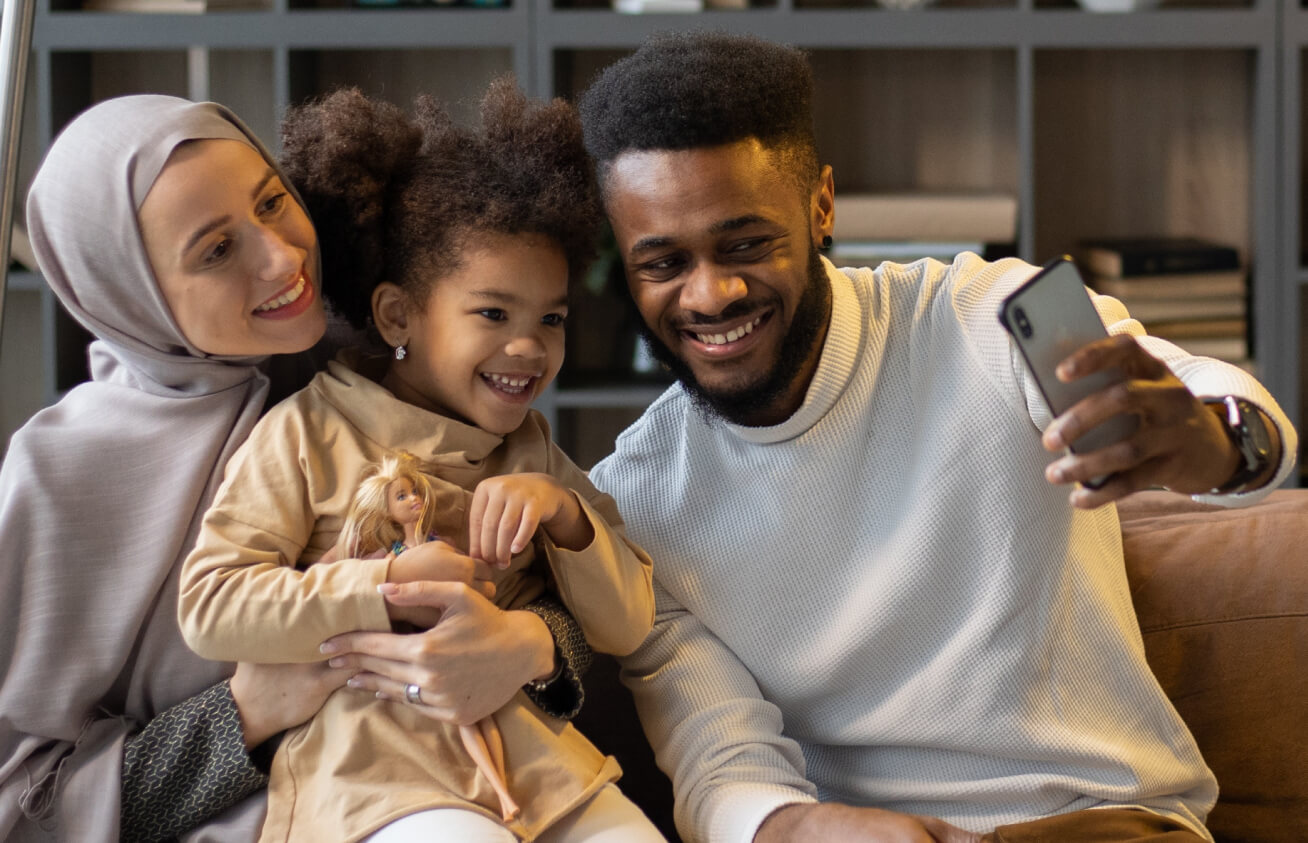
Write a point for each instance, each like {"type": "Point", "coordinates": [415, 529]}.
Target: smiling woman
{"type": "Point", "coordinates": [162, 225]}
{"type": "Point", "coordinates": [235, 255]}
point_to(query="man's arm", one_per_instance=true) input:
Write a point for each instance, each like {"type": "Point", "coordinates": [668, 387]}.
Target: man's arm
{"type": "Point", "coordinates": [712, 731]}
{"type": "Point", "coordinates": [737, 777]}
{"type": "Point", "coordinates": [1181, 443]}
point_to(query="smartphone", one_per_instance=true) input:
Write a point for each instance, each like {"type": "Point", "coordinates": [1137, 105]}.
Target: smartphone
{"type": "Point", "coordinates": [1049, 317]}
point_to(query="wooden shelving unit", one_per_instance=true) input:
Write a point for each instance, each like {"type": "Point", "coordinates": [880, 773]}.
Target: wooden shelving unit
{"type": "Point", "coordinates": [1181, 120]}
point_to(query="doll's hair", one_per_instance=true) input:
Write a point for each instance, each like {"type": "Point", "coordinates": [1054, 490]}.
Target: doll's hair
{"type": "Point", "coordinates": [691, 90]}
{"type": "Point", "coordinates": [401, 199]}
{"type": "Point", "coordinates": [368, 524]}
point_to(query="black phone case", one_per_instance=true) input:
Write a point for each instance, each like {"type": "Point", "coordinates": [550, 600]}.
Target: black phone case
{"type": "Point", "coordinates": [1049, 317]}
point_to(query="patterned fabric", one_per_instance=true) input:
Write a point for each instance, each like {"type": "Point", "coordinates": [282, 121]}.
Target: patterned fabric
{"type": "Point", "coordinates": [188, 764]}
{"type": "Point", "coordinates": [564, 696]}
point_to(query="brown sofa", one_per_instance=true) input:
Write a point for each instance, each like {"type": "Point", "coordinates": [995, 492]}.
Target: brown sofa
{"type": "Point", "coordinates": [1222, 596]}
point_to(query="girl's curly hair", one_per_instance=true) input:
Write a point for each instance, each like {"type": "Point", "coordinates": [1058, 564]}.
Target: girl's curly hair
{"type": "Point", "coordinates": [400, 198]}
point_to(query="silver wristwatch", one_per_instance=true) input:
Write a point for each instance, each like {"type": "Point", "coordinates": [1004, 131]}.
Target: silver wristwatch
{"type": "Point", "coordinates": [1244, 424]}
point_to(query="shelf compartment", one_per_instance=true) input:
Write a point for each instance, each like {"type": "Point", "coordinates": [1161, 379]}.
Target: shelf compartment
{"type": "Point", "coordinates": [587, 435]}
{"type": "Point", "coordinates": [239, 80]}
{"type": "Point", "coordinates": [1302, 155]}
{"type": "Point", "coordinates": [22, 351]}
{"type": "Point", "coordinates": [893, 119]}
{"type": "Point", "coordinates": [1161, 143]}
{"type": "Point", "coordinates": [456, 77]}
{"type": "Point", "coordinates": [903, 120]}
{"type": "Point", "coordinates": [81, 79]}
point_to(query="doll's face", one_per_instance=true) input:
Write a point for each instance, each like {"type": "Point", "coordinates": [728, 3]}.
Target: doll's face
{"type": "Point", "coordinates": [234, 254]}
{"type": "Point", "coordinates": [403, 502]}
{"type": "Point", "coordinates": [489, 338]}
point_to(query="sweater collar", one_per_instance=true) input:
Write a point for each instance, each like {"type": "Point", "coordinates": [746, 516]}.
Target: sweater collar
{"type": "Point", "coordinates": [840, 352]}
{"type": "Point", "coordinates": [391, 423]}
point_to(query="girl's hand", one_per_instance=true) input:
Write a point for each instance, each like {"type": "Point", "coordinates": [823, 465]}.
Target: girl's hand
{"type": "Point", "coordinates": [448, 662]}
{"type": "Point", "coordinates": [272, 698]}
{"type": "Point", "coordinates": [506, 511]}
{"type": "Point", "coordinates": [435, 561]}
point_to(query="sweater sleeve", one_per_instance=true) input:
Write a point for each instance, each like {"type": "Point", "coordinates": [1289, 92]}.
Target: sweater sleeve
{"type": "Point", "coordinates": [242, 597]}
{"type": "Point", "coordinates": [1210, 378]}
{"type": "Point", "coordinates": [607, 585]}
{"type": "Point", "coordinates": [712, 731]}
{"type": "Point", "coordinates": [563, 697]}
{"type": "Point", "coordinates": [1204, 376]}
{"type": "Point", "coordinates": [185, 766]}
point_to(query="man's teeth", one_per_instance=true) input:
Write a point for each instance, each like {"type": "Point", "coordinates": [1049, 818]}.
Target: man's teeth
{"type": "Point", "coordinates": [285, 298]}
{"type": "Point", "coordinates": [509, 384]}
{"type": "Point", "coordinates": [730, 336]}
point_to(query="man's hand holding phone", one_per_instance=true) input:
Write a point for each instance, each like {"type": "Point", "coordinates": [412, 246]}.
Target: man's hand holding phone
{"type": "Point", "coordinates": [1179, 442]}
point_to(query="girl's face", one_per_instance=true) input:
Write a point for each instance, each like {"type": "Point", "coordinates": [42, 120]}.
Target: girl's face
{"type": "Point", "coordinates": [234, 253]}
{"type": "Point", "coordinates": [490, 337]}
{"type": "Point", "coordinates": [403, 503]}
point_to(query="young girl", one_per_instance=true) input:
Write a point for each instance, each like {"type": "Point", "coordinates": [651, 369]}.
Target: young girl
{"type": "Point", "coordinates": [457, 247]}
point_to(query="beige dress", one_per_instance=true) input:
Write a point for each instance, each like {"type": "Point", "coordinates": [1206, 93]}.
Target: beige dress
{"type": "Point", "coordinates": [248, 593]}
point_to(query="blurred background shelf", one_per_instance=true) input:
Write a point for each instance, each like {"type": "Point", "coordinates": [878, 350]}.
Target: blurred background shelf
{"type": "Point", "coordinates": [1183, 120]}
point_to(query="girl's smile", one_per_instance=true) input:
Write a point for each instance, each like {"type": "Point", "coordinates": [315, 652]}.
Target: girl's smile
{"type": "Point", "coordinates": [490, 336]}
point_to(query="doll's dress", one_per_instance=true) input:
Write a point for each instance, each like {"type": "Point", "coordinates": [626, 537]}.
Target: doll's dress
{"type": "Point", "coordinates": [398, 546]}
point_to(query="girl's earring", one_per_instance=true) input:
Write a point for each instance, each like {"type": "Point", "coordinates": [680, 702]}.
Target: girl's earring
{"type": "Point", "coordinates": [400, 352]}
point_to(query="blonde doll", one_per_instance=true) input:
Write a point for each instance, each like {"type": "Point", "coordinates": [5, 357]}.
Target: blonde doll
{"type": "Point", "coordinates": [391, 512]}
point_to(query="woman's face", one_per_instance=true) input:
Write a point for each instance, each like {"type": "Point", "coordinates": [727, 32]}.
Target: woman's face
{"type": "Point", "coordinates": [234, 253]}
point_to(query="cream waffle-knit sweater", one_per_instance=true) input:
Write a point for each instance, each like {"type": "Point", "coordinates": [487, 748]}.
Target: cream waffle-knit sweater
{"type": "Point", "coordinates": [880, 601]}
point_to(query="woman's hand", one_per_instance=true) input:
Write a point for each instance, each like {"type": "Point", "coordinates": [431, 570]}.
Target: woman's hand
{"type": "Point", "coordinates": [272, 698]}
{"type": "Point", "coordinates": [439, 562]}
{"type": "Point", "coordinates": [449, 661]}
{"type": "Point", "coordinates": [506, 511]}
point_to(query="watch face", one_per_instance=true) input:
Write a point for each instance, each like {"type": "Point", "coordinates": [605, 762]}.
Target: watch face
{"type": "Point", "coordinates": [1255, 440]}
{"type": "Point", "coordinates": [1248, 432]}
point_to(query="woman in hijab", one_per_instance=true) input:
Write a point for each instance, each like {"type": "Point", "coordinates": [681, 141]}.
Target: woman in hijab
{"type": "Point", "coordinates": [167, 230]}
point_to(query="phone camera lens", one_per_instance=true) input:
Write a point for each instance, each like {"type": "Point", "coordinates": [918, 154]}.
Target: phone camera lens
{"type": "Point", "coordinates": [1023, 324]}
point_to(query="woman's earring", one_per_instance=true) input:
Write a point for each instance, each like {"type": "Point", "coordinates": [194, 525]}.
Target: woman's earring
{"type": "Point", "coordinates": [400, 352]}
{"type": "Point", "coordinates": [826, 242]}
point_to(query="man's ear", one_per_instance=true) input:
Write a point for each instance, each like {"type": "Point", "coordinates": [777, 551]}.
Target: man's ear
{"type": "Point", "coordinates": [390, 313]}
{"type": "Point", "coordinates": [822, 207]}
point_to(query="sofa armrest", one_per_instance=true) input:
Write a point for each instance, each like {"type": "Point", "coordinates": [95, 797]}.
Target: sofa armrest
{"type": "Point", "coordinates": [1222, 600]}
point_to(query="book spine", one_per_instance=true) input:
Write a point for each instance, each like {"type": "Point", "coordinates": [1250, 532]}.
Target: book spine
{"type": "Point", "coordinates": [1125, 264]}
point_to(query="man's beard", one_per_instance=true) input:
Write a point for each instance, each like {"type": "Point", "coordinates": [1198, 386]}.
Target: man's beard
{"type": "Point", "coordinates": [740, 404]}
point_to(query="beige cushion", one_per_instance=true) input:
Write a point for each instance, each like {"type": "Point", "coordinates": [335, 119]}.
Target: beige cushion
{"type": "Point", "coordinates": [1222, 598]}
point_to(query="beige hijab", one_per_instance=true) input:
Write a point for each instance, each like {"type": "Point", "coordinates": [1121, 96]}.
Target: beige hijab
{"type": "Point", "coordinates": [101, 495]}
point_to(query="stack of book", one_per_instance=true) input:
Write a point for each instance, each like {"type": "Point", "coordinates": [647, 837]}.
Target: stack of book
{"type": "Point", "coordinates": [1190, 291]}
{"type": "Point", "coordinates": [903, 227]}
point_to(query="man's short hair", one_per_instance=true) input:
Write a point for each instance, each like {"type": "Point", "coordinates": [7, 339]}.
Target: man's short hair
{"type": "Point", "coordinates": [690, 90]}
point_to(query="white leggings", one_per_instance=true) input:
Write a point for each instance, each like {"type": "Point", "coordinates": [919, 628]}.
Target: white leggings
{"type": "Point", "coordinates": [607, 817]}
